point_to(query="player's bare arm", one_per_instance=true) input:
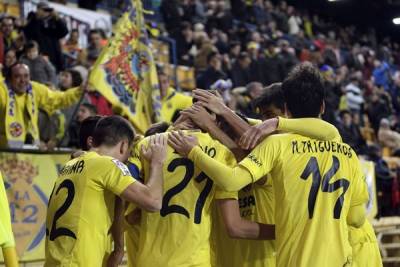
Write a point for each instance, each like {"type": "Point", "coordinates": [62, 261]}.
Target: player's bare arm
{"type": "Point", "coordinates": [240, 228]}
{"type": "Point", "coordinates": [149, 196]}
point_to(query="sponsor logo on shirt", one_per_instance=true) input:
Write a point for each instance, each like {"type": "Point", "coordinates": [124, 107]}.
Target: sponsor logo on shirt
{"type": "Point", "coordinates": [122, 167]}
{"type": "Point", "coordinates": [255, 160]}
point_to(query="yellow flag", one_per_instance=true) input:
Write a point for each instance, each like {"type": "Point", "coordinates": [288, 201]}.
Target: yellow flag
{"type": "Point", "coordinates": [125, 73]}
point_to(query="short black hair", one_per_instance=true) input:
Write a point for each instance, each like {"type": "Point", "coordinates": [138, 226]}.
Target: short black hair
{"type": "Point", "coordinates": [159, 127]}
{"type": "Point", "coordinates": [272, 95]}
{"type": "Point", "coordinates": [76, 77]}
{"type": "Point", "coordinates": [211, 55]}
{"type": "Point", "coordinates": [90, 107]}
{"type": "Point", "coordinates": [31, 44]}
{"type": "Point", "coordinates": [86, 130]}
{"type": "Point", "coordinates": [304, 91]}
{"type": "Point", "coordinates": [112, 130]}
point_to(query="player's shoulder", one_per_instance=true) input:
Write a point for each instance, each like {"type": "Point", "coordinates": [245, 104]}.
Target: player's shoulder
{"type": "Point", "coordinates": [105, 164]}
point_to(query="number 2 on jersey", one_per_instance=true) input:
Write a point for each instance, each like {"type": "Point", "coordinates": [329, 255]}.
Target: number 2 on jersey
{"type": "Point", "coordinates": [189, 166]}
{"type": "Point", "coordinates": [62, 231]}
{"type": "Point", "coordinates": [312, 168]}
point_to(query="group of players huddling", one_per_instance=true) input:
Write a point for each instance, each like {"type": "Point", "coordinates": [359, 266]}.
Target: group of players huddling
{"type": "Point", "coordinates": [216, 189]}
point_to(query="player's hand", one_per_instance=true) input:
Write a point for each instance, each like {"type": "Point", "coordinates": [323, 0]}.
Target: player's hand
{"type": "Point", "coordinates": [115, 258]}
{"type": "Point", "coordinates": [156, 150]}
{"type": "Point", "coordinates": [257, 133]}
{"type": "Point", "coordinates": [199, 115]}
{"type": "Point", "coordinates": [210, 101]}
{"type": "Point", "coordinates": [182, 144]}
{"type": "Point", "coordinates": [183, 122]}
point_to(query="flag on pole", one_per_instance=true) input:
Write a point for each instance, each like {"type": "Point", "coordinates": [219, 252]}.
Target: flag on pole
{"type": "Point", "coordinates": [125, 72]}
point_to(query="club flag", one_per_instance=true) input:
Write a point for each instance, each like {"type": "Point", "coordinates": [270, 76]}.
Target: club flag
{"type": "Point", "coordinates": [125, 72]}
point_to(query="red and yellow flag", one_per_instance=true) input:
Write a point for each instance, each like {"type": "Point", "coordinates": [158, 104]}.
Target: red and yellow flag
{"type": "Point", "coordinates": [125, 73]}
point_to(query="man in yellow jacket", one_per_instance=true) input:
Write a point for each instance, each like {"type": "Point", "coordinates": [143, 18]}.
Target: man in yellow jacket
{"type": "Point", "coordinates": [20, 100]}
{"type": "Point", "coordinates": [7, 243]}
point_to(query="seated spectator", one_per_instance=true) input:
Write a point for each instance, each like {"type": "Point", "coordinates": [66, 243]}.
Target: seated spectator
{"type": "Point", "coordinates": [350, 132]}
{"type": "Point", "coordinates": [240, 73]}
{"type": "Point", "coordinates": [41, 69]}
{"type": "Point", "coordinates": [387, 137]}
{"type": "Point", "coordinates": [171, 101]}
{"type": "Point", "coordinates": [20, 100]}
{"type": "Point", "coordinates": [213, 73]}
{"type": "Point", "coordinates": [354, 95]}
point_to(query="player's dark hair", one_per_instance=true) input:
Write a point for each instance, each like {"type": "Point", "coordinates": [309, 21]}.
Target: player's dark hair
{"type": "Point", "coordinates": [90, 107]}
{"type": "Point", "coordinates": [112, 130]}
{"type": "Point", "coordinates": [272, 95]}
{"type": "Point", "coordinates": [86, 130]}
{"type": "Point", "coordinates": [159, 127]}
{"type": "Point", "coordinates": [304, 92]}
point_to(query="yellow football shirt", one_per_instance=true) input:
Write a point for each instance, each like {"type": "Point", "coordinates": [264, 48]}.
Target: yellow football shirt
{"type": "Point", "coordinates": [179, 234]}
{"type": "Point", "coordinates": [256, 203]}
{"type": "Point", "coordinates": [173, 102]}
{"type": "Point", "coordinates": [6, 234]}
{"type": "Point", "coordinates": [316, 182]}
{"type": "Point", "coordinates": [81, 210]}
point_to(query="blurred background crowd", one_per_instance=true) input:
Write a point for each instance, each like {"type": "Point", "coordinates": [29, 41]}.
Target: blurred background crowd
{"type": "Point", "coordinates": [239, 47]}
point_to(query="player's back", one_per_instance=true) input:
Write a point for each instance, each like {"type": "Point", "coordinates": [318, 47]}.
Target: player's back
{"type": "Point", "coordinates": [179, 234]}
{"type": "Point", "coordinates": [315, 184]}
{"type": "Point", "coordinates": [81, 209]}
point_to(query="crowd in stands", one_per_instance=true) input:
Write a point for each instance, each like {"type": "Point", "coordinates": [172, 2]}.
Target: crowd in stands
{"type": "Point", "coordinates": [252, 43]}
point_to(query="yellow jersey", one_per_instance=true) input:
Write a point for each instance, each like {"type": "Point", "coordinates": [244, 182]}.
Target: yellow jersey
{"type": "Point", "coordinates": [256, 203]}
{"type": "Point", "coordinates": [81, 210]}
{"type": "Point", "coordinates": [173, 102]}
{"type": "Point", "coordinates": [179, 234]}
{"type": "Point", "coordinates": [6, 234]}
{"type": "Point", "coordinates": [315, 184]}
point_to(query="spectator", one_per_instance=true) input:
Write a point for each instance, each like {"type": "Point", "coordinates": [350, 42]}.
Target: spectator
{"type": "Point", "coordinates": [354, 95]}
{"type": "Point", "coordinates": [172, 13]}
{"type": "Point", "coordinates": [93, 50]}
{"type": "Point", "coordinates": [7, 36]}
{"type": "Point", "coordinates": [9, 60]}
{"type": "Point", "coordinates": [172, 102]}
{"type": "Point", "coordinates": [387, 137]}
{"type": "Point", "coordinates": [287, 56]}
{"type": "Point", "coordinates": [213, 73]}
{"type": "Point", "coordinates": [377, 110]}
{"type": "Point", "coordinates": [85, 111]}
{"type": "Point", "coordinates": [294, 21]}
{"type": "Point", "coordinates": [272, 65]}
{"type": "Point", "coordinates": [46, 28]}
{"type": "Point", "coordinates": [240, 73]}
{"type": "Point", "coordinates": [72, 49]}
{"type": "Point", "coordinates": [350, 132]}
{"type": "Point", "coordinates": [20, 101]}
{"type": "Point", "coordinates": [88, 4]}
{"type": "Point", "coordinates": [41, 69]}
{"type": "Point", "coordinates": [184, 43]}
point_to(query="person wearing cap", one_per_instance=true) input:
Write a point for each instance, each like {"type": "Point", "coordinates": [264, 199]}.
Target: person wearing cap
{"type": "Point", "coordinates": [45, 27]}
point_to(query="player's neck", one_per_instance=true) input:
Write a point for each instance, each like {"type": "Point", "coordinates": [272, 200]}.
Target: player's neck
{"type": "Point", "coordinates": [106, 151]}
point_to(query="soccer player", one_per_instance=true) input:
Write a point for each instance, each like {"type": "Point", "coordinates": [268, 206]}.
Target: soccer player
{"type": "Point", "coordinates": [7, 242]}
{"type": "Point", "coordinates": [81, 206]}
{"type": "Point", "coordinates": [179, 235]}
{"type": "Point", "coordinates": [319, 186]}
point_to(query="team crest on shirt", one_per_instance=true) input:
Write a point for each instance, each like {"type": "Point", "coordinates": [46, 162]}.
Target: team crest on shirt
{"type": "Point", "coordinates": [122, 167]}
{"type": "Point", "coordinates": [28, 203]}
{"type": "Point", "coordinates": [15, 129]}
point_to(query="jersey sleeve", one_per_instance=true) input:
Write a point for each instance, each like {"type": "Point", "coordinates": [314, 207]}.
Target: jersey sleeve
{"type": "Point", "coordinates": [262, 158]}
{"type": "Point", "coordinates": [359, 193]}
{"type": "Point", "coordinates": [220, 194]}
{"type": "Point", "coordinates": [118, 178]}
{"type": "Point", "coordinates": [307, 126]}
